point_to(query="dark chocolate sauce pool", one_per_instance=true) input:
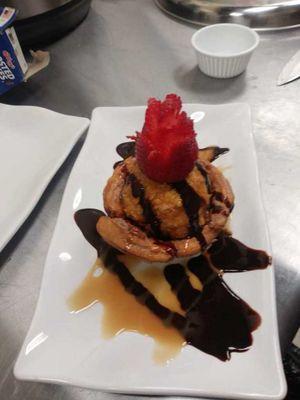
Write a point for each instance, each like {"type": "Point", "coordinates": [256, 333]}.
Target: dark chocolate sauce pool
{"type": "Point", "coordinates": [216, 320]}
{"type": "Point", "coordinates": [231, 255]}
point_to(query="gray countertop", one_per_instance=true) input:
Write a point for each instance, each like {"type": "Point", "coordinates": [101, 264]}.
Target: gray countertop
{"type": "Point", "coordinates": [124, 52]}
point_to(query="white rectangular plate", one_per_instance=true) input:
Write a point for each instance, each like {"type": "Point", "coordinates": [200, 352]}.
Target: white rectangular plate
{"type": "Point", "coordinates": [34, 142]}
{"type": "Point", "coordinates": [67, 348]}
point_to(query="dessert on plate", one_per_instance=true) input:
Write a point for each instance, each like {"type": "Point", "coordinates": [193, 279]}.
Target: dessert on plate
{"type": "Point", "coordinates": [166, 202]}
{"type": "Point", "coordinates": [166, 198]}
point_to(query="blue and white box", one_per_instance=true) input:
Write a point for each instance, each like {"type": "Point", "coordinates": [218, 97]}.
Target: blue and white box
{"type": "Point", "coordinates": [13, 67]}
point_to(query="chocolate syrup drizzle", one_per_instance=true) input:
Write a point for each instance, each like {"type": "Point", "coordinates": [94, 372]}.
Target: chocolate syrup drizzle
{"type": "Point", "coordinates": [127, 149]}
{"type": "Point", "coordinates": [216, 151]}
{"type": "Point", "coordinates": [216, 320]}
{"type": "Point", "coordinates": [191, 202]}
{"type": "Point", "coordinates": [138, 191]}
{"type": "Point", "coordinates": [205, 175]}
{"type": "Point", "coordinates": [190, 199]}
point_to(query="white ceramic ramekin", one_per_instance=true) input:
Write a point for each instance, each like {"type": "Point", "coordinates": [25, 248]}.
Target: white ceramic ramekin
{"type": "Point", "coordinates": [224, 50]}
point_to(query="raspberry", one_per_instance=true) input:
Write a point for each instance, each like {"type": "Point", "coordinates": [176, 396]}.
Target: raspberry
{"type": "Point", "coordinates": [166, 148]}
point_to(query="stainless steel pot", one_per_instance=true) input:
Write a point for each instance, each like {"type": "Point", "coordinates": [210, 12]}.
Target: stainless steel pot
{"type": "Point", "coordinates": [259, 14]}
{"type": "Point", "coordinates": [42, 21]}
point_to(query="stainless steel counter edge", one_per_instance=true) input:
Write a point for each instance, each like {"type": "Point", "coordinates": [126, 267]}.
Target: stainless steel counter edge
{"type": "Point", "coordinates": [121, 54]}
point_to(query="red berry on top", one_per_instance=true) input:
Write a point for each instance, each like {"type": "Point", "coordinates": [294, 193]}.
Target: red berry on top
{"type": "Point", "coordinates": [166, 148]}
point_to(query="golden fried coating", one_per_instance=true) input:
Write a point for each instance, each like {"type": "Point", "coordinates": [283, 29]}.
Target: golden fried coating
{"type": "Point", "coordinates": [129, 195]}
